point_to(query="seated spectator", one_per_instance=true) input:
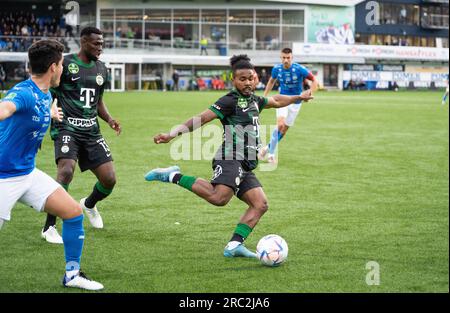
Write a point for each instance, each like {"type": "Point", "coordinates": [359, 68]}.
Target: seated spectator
{"type": "Point", "coordinates": [169, 84]}
{"type": "Point", "coordinates": [201, 84]}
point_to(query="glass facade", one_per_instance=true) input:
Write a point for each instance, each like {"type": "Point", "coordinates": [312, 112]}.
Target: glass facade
{"type": "Point", "coordinates": [392, 40]}
{"type": "Point", "coordinates": [244, 29]}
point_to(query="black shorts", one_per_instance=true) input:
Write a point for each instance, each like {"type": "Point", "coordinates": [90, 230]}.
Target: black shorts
{"type": "Point", "coordinates": [89, 152]}
{"type": "Point", "coordinates": [230, 173]}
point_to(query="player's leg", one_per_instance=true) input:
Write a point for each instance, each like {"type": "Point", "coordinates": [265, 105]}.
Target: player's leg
{"type": "Point", "coordinates": [276, 136]}
{"type": "Point", "coordinates": [11, 189]}
{"type": "Point", "coordinates": [106, 176]}
{"type": "Point", "coordinates": [104, 186]}
{"type": "Point", "coordinates": [66, 155]}
{"type": "Point", "coordinates": [215, 193]}
{"type": "Point", "coordinates": [444, 98]}
{"type": "Point", "coordinates": [284, 123]}
{"type": "Point", "coordinates": [45, 194]}
{"type": "Point", "coordinates": [96, 157]}
{"type": "Point", "coordinates": [250, 192]}
{"type": "Point", "coordinates": [64, 176]}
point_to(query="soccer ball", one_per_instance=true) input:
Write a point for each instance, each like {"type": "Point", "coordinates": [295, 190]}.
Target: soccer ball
{"type": "Point", "coordinates": [272, 250]}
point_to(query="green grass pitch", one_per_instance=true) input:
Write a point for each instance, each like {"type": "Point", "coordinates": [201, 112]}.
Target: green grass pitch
{"type": "Point", "coordinates": [363, 176]}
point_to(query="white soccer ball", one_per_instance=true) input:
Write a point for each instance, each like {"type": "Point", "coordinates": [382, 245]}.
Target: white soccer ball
{"type": "Point", "coordinates": [272, 250]}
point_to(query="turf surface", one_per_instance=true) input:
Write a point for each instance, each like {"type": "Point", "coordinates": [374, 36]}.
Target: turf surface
{"type": "Point", "coordinates": [362, 176]}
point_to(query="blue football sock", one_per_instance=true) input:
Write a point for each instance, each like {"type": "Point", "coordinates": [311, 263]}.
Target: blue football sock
{"type": "Point", "coordinates": [276, 137]}
{"type": "Point", "coordinates": [73, 237]}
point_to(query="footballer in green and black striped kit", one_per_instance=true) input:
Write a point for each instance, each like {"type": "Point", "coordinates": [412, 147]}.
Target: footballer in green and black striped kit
{"type": "Point", "coordinates": [236, 159]}
{"type": "Point", "coordinates": [82, 86]}
{"type": "Point", "coordinates": [77, 138]}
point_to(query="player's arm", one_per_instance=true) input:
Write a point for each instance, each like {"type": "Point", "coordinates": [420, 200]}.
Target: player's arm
{"type": "Point", "coordinates": [56, 112]}
{"type": "Point", "coordinates": [7, 108]}
{"type": "Point", "coordinates": [279, 101]}
{"type": "Point", "coordinates": [269, 86]}
{"type": "Point", "coordinates": [314, 84]}
{"type": "Point", "coordinates": [104, 115]}
{"type": "Point", "coordinates": [188, 126]}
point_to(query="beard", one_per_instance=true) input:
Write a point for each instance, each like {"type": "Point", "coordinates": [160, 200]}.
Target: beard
{"type": "Point", "coordinates": [54, 81]}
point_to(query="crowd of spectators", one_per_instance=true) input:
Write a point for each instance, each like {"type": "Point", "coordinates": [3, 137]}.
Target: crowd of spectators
{"type": "Point", "coordinates": [18, 30]}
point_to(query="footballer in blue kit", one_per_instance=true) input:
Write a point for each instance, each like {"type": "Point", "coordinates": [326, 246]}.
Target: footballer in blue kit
{"type": "Point", "coordinates": [291, 77]}
{"type": "Point", "coordinates": [33, 116]}
{"type": "Point", "coordinates": [25, 115]}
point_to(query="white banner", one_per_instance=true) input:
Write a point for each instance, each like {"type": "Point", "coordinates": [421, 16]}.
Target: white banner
{"type": "Point", "coordinates": [372, 52]}
{"type": "Point", "coordinates": [393, 76]}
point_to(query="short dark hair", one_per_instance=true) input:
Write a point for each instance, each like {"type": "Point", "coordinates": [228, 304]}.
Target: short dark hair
{"type": "Point", "coordinates": [287, 50]}
{"type": "Point", "coordinates": [241, 61]}
{"type": "Point", "coordinates": [44, 53]}
{"type": "Point", "coordinates": [87, 31]}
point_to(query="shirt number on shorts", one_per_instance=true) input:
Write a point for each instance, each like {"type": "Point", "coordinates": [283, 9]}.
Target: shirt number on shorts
{"type": "Point", "coordinates": [103, 143]}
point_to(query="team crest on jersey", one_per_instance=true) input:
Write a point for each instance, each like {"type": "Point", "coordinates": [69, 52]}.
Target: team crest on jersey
{"type": "Point", "coordinates": [65, 149]}
{"type": "Point", "coordinates": [242, 103]}
{"type": "Point", "coordinates": [99, 79]}
{"type": "Point", "coordinates": [73, 68]}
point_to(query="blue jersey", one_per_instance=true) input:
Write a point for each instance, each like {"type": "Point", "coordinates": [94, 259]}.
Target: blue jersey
{"type": "Point", "coordinates": [291, 79]}
{"type": "Point", "coordinates": [21, 134]}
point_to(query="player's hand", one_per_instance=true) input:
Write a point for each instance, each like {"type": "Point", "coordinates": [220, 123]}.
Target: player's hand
{"type": "Point", "coordinates": [116, 126]}
{"type": "Point", "coordinates": [162, 138]}
{"type": "Point", "coordinates": [306, 95]}
{"type": "Point", "coordinates": [56, 112]}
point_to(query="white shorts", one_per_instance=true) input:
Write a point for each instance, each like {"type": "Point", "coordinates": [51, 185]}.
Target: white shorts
{"type": "Point", "coordinates": [290, 113]}
{"type": "Point", "coordinates": [32, 189]}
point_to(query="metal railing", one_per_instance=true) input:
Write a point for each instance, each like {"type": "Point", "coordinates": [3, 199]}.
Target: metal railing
{"type": "Point", "coordinates": [435, 21]}
{"type": "Point", "coordinates": [181, 46]}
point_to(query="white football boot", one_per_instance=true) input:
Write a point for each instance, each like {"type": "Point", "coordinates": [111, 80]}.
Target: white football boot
{"type": "Point", "coordinates": [93, 215]}
{"type": "Point", "coordinates": [52, 235]}
{"type": "Point", "coordinates": [81, 281]}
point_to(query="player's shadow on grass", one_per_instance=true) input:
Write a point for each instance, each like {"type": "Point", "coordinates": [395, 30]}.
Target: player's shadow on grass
{"type": "Point", "coordinates": [246, 265]}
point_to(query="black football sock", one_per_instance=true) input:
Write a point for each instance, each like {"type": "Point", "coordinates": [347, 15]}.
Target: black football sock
{"type": "Point", "coordinates": [176, 178]}
{"type": "Point", "coordinates": [50, 221]}
{"type": "Point", "coordinates": [98, 193]}
{"type": "Point", "coordinates": [237, 237]}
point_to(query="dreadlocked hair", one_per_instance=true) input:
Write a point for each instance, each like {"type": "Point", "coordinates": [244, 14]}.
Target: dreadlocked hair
{"type": "Point", "coordinates": [241, 62]}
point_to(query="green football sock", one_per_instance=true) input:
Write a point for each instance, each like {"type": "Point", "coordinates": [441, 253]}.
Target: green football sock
{"type": "Point", "coordinates": [241, 232]}
{"type": "Point", "coordinates": [187, 181]}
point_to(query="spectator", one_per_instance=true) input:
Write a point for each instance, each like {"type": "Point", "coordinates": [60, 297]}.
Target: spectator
{"type": "Point", "coordinates": [395, 86]}
{"type": "Point", "coordinates": [403, 14]}
{"type": "Point", "coordinates": [169, 84]}
{"type": "Point", "coordinates": [175, 78]}
{"type": "Point", "coordinates": [201, 84]}
{"type": "Point", "coordinates": [203, 45]}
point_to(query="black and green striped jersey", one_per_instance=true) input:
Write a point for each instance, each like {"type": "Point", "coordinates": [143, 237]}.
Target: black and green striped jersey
{"type": "Point", "coordinates": [240, 119]}
{"type": "Point", "coordinates": [78, 94]}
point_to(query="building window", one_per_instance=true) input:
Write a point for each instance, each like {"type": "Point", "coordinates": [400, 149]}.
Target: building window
{"type": "Point", "coordinates": [241, 29]}
{"type": "Point", "coordinates": [267, 29]}
{"type": "Point", "coordinates": [158, 27]}
{"type": "Point", "coordinates": [293, 17]}
{"type": "Point", "coordinates": [127, 15]}
{"type": "Point", "coordinates": [214, 16]}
